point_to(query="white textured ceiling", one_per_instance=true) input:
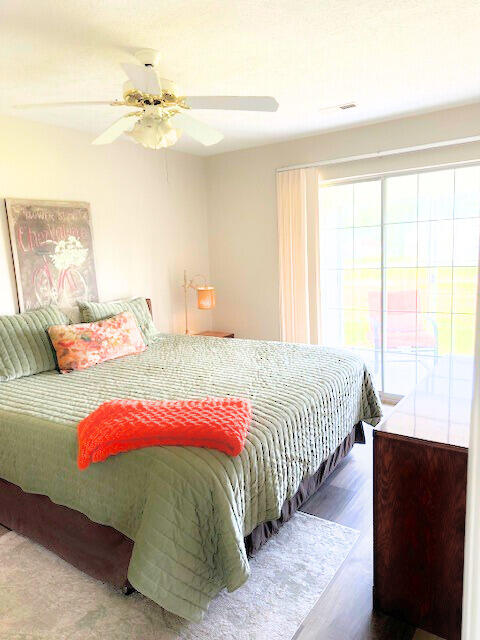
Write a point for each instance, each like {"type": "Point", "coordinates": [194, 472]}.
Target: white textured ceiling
{"type": "Point", "coordinates": [392, 57]}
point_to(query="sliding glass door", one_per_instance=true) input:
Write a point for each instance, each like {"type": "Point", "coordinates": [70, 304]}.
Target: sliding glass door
{"type": "Point", "coordinates": [399, 263]}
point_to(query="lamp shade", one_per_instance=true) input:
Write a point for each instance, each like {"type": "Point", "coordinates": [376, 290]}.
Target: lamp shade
{"type": "Point", "coordinates": [205, 297]}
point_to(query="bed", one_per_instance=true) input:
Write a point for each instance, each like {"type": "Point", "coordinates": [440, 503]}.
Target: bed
{"type": "Point", "coordinates": [178, 523]}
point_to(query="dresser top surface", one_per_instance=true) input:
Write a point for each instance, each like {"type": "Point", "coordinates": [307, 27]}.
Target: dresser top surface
{"type": "Point", "coordinates": [438, 409]}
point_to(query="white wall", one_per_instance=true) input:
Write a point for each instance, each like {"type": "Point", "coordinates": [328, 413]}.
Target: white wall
{"type": "Point", "coordinates": [148, 211]}
{"type": "Point", "coordinates": [242, 203]}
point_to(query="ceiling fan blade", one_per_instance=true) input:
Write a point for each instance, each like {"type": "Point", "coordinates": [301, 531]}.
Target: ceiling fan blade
{"type": "Point", "coordinates": [115, 130]}
{"type": "Point", "coordinates": [66, 104]}
{"type": "Point", "coordinates": [198, 130]}
{"type": "Point", "coordinates": [169, 86]}
{"type": "Point", "coordinates": [237, 103]}
{"type": "Point", "coordinates": [143, 78]}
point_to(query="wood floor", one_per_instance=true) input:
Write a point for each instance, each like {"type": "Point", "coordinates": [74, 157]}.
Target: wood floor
{"type": "Point", "coordinates": [344, 612]}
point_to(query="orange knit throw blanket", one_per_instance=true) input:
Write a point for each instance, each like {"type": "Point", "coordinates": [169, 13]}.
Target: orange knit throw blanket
{"type": "Point", "coordinates": [125, 424]}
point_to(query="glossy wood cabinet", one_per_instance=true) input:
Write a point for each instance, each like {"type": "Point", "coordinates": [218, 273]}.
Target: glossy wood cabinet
{"type": "Point", "coordinates": [420, 478]}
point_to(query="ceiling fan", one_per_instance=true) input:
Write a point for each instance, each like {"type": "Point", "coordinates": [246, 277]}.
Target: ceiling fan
{"type": "Point", "coordinates": [160, 114]}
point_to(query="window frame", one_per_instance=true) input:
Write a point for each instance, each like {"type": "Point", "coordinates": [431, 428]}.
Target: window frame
{"type": "Point", "coordinates": [391, 398]}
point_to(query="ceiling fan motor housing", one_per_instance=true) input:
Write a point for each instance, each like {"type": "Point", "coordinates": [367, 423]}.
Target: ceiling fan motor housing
{"type": "Point", "coordinates": [148, 57]}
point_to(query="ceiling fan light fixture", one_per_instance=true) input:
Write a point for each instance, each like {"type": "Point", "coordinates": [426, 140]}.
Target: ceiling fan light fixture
{"type": "Point", "coordinates": [153, 132]}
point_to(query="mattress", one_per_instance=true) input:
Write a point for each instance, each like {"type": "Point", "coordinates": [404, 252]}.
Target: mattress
{"type": "Point", "coordinates": [187, 509]}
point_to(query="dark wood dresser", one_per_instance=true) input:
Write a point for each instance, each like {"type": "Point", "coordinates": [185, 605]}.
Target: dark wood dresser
{"type": "Point", "coordinates": [420, 477]}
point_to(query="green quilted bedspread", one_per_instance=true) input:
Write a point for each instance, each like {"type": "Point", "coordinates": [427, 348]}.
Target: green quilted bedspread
{"type": "Point", "coordinates": [187, 509]}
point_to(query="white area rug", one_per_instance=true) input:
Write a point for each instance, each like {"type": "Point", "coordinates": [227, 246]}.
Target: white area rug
{"type": "Point", "coordinates": [43, 597]}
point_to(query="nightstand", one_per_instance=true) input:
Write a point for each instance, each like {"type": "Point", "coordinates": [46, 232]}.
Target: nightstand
{"type": "Point", "coordinates": [216, 334]}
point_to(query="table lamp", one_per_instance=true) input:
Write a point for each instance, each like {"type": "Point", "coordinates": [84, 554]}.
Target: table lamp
{"type": "Point", "coordinates": [205, 295]}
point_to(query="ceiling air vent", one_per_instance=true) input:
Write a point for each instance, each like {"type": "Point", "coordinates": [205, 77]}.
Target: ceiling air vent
{"type": "Point", "coordinates": [349, 105]}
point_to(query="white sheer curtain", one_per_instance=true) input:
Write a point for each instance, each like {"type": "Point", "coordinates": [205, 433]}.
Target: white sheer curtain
{"type": "Point", "coordinates": [298, 244]}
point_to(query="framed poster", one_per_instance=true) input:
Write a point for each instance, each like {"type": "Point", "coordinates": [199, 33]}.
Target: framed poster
{"type": "Point", "coordinates": [52, 251]}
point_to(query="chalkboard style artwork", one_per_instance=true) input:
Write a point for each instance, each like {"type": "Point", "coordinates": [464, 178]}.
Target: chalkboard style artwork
{"type": "Point", "coordinates": [52, 252]}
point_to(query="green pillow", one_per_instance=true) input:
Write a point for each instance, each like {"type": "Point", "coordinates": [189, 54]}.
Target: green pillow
{"type": "Point", "coordinates": [25, 347]}
{"type": "Point", "coordinates": [93, 311]}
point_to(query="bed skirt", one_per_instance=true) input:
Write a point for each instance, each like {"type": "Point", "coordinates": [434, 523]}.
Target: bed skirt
{"type": "Point", "coordinates": [103, 552]}
{"type": "Point", "coordinates": [307, 488]}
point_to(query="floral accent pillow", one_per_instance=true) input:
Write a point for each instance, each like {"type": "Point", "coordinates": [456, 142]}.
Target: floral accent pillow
{"type": "Point", "coordinates": [79, 346]}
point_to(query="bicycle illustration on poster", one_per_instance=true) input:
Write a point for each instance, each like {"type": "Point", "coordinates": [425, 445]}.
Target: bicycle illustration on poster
{"type": "Point", "coordinates": [52, 252]}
